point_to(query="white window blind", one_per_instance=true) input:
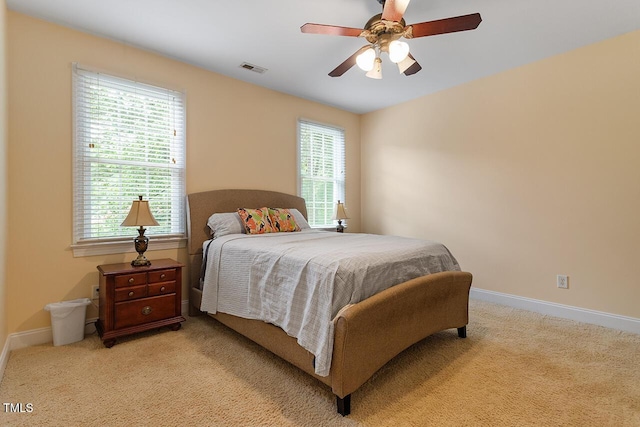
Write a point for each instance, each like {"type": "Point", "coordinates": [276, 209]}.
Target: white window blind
{"type": "Point", "coordinates": [321, 170]}
{"type": "Point", "coordinates": [129, 140]}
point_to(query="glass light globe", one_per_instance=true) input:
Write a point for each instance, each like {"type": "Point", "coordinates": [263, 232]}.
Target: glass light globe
{"type": "Point", "coordinates": [366, 59]}
{"type": "Point", "coordinates": [376, 71]}
{"type": "Point", "coordinates": [398, 51]}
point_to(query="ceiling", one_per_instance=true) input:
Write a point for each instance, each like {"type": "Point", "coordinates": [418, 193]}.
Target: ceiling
{"type": "Point", "coordinates": [220, 35]}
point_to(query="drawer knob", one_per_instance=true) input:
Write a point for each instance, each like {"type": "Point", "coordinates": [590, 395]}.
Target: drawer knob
{"type": "Point", "coordinates": [162, 276]}
{"type": "Point", "coordinates": [131, 280]}
{"type": "Point", "coordinates": [131, 293]}
{"type": "Point", "coordinates": [146, 310]}
{"type": "Point", "coordinates": [162, 289]}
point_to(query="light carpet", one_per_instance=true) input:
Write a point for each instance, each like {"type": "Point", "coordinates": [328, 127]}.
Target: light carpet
{"type": "Point", "coordinates": [516, 368]}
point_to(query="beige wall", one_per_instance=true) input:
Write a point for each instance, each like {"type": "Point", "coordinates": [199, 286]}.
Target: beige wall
{"type": "Point", "coordinates": [238, 136]}
{"type": "Point", "coordinates": [526, 174]}
{"type": "Point", "coordinates": [3, 175]}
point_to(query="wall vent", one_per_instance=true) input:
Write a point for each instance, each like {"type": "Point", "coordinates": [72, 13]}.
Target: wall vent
{"type": "Point", "coordinates": [253, 68]}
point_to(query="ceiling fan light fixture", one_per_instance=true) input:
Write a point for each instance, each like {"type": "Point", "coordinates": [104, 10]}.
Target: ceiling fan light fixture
{"type": "Point", "coordinates": [405, 64]}
{"type": "Point", "coordinates": [366, 60]}
{"type": "Point", "coordinates": [398, 51]}
{"type": "Point", "coordinates": [384, 30]}
{"type": "Point", "coordinates": [376, 72]}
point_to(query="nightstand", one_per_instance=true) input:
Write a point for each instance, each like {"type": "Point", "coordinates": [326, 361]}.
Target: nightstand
{"type": "Point", "coordinates": [136, 299]}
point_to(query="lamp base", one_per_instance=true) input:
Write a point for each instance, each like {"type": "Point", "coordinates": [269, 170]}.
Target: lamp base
{"type": "Point", "coordinates": [340, 227]}
{"type": "Point", "coordinates": [141, 242]}
{"type": "Point", "coordinates": [140, 261]}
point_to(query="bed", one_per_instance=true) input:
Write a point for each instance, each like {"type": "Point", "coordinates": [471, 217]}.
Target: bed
{"type": "Point", "coordinates": [365, 335]}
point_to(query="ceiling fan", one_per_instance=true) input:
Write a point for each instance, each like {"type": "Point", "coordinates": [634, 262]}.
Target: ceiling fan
{"type": "Point", "coordinates": [384, 31]}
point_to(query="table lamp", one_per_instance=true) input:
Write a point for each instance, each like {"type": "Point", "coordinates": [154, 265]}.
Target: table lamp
{"type": "Point", "coordinates": [340, 213]}
{"type": "Point", "coordinates": [140, 215]}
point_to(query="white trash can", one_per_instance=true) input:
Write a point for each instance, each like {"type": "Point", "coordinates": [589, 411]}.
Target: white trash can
{"type": "Point", "coordinates": [67, 320]}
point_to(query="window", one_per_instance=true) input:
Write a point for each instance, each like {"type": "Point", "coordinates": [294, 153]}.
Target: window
{"type": "Point", "coordinates": [129, 140]}
{"type": "Point", "coordinates": [321, 170]}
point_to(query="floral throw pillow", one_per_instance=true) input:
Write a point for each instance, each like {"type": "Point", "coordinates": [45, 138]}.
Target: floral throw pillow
{"type": "Point", "coordinates": [282, 220]}
{"type": "Point", "coordinates": [256, 221]}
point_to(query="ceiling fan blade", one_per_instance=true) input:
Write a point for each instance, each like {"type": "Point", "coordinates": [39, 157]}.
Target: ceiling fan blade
{"type": "Point", "coordinates": [394, 9]}
{"type": "Point", "coordinates": [348, 63]}
{"type": "Point", "coordinates": [413, 68]}
{"type": "Point", "coordinates": [331, 30]}
{"type": "Point", "coordinates": [447, 25]}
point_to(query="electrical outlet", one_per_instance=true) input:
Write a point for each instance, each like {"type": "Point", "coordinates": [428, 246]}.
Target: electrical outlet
{"type": "Point", "coordinates": [562, 281]}
{"type": "Point", "coordinates": [94, 292]}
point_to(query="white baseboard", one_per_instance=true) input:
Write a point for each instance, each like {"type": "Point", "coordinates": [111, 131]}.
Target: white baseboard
{"type": "Point", "coordinates": [614, 321]}
{"type": "Point", "coordinates": [4, 357]}
{"type": "Point", "coordinates": [24, 339]}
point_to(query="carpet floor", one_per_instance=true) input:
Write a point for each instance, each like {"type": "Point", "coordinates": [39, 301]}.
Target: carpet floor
{"type": "Point", "coordinates": [516, 368]}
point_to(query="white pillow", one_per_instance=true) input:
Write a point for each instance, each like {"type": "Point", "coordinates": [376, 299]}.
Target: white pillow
{"type": "Point", "coordinates": [222, 224]}
{"type": "Point", "coordinates": [299, 218]}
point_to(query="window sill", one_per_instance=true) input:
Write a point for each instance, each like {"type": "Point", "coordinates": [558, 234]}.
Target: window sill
{"type": "Point", "coordinates": [125, 246]}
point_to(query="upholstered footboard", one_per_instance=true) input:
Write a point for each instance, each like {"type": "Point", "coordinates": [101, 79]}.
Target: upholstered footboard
{"type": "Point", "coordinates": [372, 332]}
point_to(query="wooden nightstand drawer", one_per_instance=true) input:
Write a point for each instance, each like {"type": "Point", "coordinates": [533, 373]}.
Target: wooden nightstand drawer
{"type": "Point", "coordinates": [134, 292]}
{"type": "Point", "coordinates": [144, 310]}
{"type": "Point", "coordinates": [131, 279]}
{"type": "Point", "coordinates": [162, 288]}
{"type": "Point", "coordinates": [162, 275]}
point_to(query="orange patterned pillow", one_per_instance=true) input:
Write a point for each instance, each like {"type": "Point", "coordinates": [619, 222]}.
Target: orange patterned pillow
{"type": "Point", "coordinates": [256, 221]}
{"type": "Point", "coordinates": [282, 220]}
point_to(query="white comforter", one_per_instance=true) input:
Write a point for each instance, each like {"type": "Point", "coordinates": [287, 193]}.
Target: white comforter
{"type": "Point", "coordinates": [299, 281]}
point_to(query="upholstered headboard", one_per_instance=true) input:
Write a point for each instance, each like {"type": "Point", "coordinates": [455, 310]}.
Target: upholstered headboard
{"type": "Point", "coordinates": [200, 206]}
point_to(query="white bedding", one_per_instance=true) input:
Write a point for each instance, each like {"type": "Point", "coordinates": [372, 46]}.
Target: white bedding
{"type": "Point", "coordinates": [299, 281]}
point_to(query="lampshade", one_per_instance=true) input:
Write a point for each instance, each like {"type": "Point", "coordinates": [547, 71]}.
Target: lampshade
{"type": "Point", "coordinates": [340, 212]}
{"type": "Point", "coordinates": [366, 59]}
{"type": "Point", "coordinates": [139, 215]}
{"type": "Point", "coordinates": [376, 72]}
{"type": "Point", "coordinates": [398, 51]}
